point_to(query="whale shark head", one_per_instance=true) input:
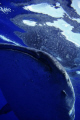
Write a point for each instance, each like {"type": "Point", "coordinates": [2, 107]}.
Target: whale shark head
{"type": "Point", "coordinates": [35, 84]}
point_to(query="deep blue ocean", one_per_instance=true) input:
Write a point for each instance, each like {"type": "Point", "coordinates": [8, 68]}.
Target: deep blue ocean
{"type": "Point", "coordinates": [52, 26]}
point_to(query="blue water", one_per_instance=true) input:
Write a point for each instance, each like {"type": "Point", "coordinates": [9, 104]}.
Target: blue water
{"type": "Point", "coordinates": [52, 26]}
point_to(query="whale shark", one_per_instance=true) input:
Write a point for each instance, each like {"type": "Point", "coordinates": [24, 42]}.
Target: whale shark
{"type": "Point", "coordinates": [35, 85]}
{"type": "Point", "coordinates": [46, 37]}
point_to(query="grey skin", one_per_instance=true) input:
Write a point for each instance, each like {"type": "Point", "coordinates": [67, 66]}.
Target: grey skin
{"type": "Point", "coordinates": [50, 95]}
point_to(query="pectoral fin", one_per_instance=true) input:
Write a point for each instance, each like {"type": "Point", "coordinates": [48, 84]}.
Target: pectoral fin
{"type": "Point", "coordinates": [5, 109]}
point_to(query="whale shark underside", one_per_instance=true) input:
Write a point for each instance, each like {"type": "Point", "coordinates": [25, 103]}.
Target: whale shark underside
{"type": "Point", "coordinates": [35, 84]}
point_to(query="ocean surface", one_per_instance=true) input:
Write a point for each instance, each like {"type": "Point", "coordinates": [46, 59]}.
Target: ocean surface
{"type": "Point", "coordinates": [48, 25]}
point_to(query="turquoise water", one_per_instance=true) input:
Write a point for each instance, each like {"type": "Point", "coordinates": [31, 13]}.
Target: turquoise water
{"type": "Point", "coordinates": [52, 26]}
